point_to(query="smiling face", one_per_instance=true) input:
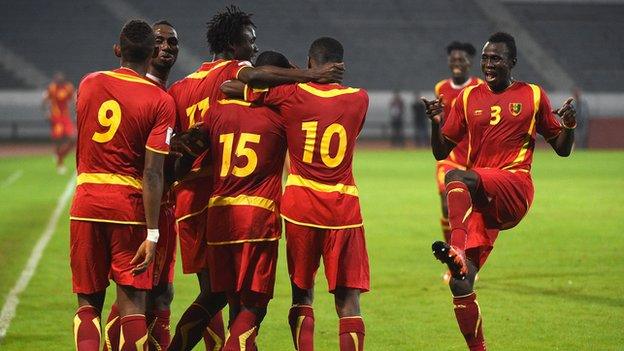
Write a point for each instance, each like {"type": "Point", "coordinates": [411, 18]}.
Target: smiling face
{"type": "Point", "coordinates": [459, 63]}
{"type": "Point", "coordinates": [246, 48]}
{"type": "Point", "coordinates": [496, 65]}
{"type": "Point", "coordinates": [167, 45]}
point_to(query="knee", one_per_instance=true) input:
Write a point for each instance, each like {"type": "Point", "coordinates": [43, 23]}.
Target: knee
{"type": "Point", "coordinates": [347, 302]}
{"type": "Point", "coordinates": [454, 175]}
{"type": "Point", "coordinates": [162, 301]}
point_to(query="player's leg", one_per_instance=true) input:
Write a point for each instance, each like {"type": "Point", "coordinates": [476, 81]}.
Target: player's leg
{"type": "Point", "coordinates": [197, 317]}
{"type": "Point", "coordinates": [347, 271]}
{"type": "Point", "coordinates": [131, 305]}
{"type": "Point", "coordinates": [304, 247]}
{"type": "Point", "coordinates": [90, 263]}
{"type": "Point", "coordinates": [112, 328]}
{"type": "Point", "coordinates": [158, 316]}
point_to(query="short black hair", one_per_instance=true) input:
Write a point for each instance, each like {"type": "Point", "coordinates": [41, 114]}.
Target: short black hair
{"type": "Point", "coordinates": [163, 22]}
{"type": "Point", "coordinates": [466, 47]}
{"type": "Point", "coordinates": [272, 58]}
{"type": "Point", "coordinates": [508, 39]}
{"type": "Point", "coordinates": [325, 50]}
{"type": "Point", "coordinates": [136, 41]}
{"type": "Point", "coordinates": [226, 28]}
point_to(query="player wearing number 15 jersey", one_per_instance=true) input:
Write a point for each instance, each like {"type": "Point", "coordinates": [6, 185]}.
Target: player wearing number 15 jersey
{"type": "Point", "coordinates": [320, 203]}
{"type": "Point", "coordinates": [500, 119]}
{"type": "Point", "coordinates": [124, 127]}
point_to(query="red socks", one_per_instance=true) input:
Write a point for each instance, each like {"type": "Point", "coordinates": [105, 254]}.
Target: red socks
{"type": "Point", "coordinates": [242, 332]}
{"type": "Point", "coordinates": [133, 335]}
{"type": "Point", "coordinates": [158, 330]}
{"type": "Point", "coordinates": [468, 316]}
{"type": "Point", "coordinates": [87, 329]}
{"type": "Point", "coordinates": [459, 210]}
{"type": "Point", "coordinates": [214, 334]}
{"type": "Point", "coordinates": [301, 320]}
{"type": "Point", "coordinates": [190, 327]}
{"type": "Point", "coordinates": [112, 330]}
{"type": "Point", "coordinates": [351, 333]}
{"type": "Point", "coordinates": [446, 229]}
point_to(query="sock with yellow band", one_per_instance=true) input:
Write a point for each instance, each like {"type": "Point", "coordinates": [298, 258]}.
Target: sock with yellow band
{"type": "Point", "coordinates": [87, 328]}
{"type": "Point", "coordinates": [301, 320]}
{"type": "Point", "coordinates": [351, 333]}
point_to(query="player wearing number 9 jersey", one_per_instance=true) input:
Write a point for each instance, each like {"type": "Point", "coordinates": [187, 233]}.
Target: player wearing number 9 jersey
{"type": "Point", "coordinates": [320, 203]}
{"type": "Point", "coordinates": [124, 127]}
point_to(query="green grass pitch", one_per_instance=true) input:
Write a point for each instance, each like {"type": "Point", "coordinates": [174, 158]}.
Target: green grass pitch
{"type": "Point", "coordinates": [552, 283]}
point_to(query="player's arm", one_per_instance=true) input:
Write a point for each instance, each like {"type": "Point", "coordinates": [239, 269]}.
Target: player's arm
{"type": "Point", "coordinates": [270, 76]}
{"type": "Point", "coordinates": [440, 145]}
{"type": "Point", "coordinates": [152, 194]}
{"type": "Point", "coordinates": [562, 143]}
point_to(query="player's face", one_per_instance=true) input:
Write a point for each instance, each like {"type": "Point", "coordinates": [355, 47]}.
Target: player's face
{"type": "Point", "coordinates": [459, 63]}
{"type": "Point", "coordinates": [247, 48]}
{"type": "Point", "coordinates": [167, 45]}
{"type": "Point", "coordinates": [496, 64]}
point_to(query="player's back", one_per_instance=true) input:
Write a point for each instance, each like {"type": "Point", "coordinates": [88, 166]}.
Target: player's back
{"type": "Point", "coordinates": [322, 123]}
{"type": "Point", "coordinates": [248, 145]}
{"type": "Point", "coordinates": [119, 115]}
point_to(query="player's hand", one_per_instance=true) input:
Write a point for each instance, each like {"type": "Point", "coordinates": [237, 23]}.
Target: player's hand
{"type": "Point", "coordinates": [567, 113]}
{"type": "Point", "coordinates": [191, 142]}
{"type": "Point", "coordinates": [144, 257]}
{"type": "Point", "coordinates": [328, 73]}
{"type": "Point", "coordinates": [434, 109]}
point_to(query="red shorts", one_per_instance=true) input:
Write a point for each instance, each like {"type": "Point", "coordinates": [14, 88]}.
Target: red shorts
{"type": "Point", "coordinates": [98, 249]}
{"type": "Point", "coordinates": [244, 269]}
{"type": "Point", "coordinates": [508, 196]}
{"type": "Point", "coordinates": [61, 127]}
{"type": "Point", "coordinates": [343, 251]}
{"type": "Point", "coordinates": [192, 233]}
{"type": "Point", "coordinates": [164, 262]}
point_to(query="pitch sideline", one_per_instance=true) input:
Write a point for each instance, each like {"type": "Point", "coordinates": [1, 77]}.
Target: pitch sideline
{"type": "Point", "coordinates": [10, 305]}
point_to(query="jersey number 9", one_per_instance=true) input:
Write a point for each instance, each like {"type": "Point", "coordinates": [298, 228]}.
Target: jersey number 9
{"type": "Point", "coordinates": [109, 115]}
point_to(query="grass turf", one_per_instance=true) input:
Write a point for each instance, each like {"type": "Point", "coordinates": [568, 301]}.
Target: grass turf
{"type": "Point", "coordinates": [550, 283]}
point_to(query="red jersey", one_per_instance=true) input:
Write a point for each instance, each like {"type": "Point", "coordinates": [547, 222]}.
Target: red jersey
{"type": "Point", "coordinates": [59, 97]}
{"type": "Point", "coordinates": [501, 127]}
{"type": "Point", "coordinates": [322, 122]}
{"type": "Point", "coordinates": [120, 115]}
{"type": "Point", "coordinates": [193, 96]}
{"type": "Point", "coordinates": [449, 92]}
{"type": "Point", "coordinates": [248, 146]}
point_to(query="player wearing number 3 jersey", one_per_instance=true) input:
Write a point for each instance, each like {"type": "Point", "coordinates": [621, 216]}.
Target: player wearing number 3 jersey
{"type": "Point", "coordinates": [124, 127]}
{"type": "Point", "coordinates": [320, 202]}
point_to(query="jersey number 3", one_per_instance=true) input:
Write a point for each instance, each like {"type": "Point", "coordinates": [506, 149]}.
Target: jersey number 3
{"type": "Point", "coordinates": [109, 115]}
{"type": "Point", "coordinates": [310, 141]}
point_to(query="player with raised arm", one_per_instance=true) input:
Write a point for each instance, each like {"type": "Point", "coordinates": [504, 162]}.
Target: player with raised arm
{"type": "Point", "coordinates": [320, 204]}
{"type": "Point", "coordinates": [124, 127]}
{"type": "Point", "coordinates": [160, 296]}
{"type": "Point", "coordinates": [459, 61]}
{"type": "Point", "coordinates": [500, 119]}
{"type": "Point", "coordinates": [58, 96]}
{"type": "Point", "coordinates": [231, 36]}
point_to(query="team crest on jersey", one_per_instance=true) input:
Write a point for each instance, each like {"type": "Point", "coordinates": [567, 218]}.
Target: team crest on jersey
{"type": "Point", "coordinates": [515, 108]}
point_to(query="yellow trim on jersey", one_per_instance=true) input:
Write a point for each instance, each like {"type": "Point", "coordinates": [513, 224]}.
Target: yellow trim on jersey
{"type": "Point", "coordinates": [467, 91]}
{"type": "Point", "coordinates": [452, 164]}
{"type": "Point", "coordinates": [537, 96]}
{"type": "Point", "coordinates": [297, 180]}
{"type": "Point", "coordinates": [87, 219]}
{"type": "Point", "coordinates": [156, 150]}
{"type": "Point", "coordinates": [242, 200]}
{"type": "Point", "coordinates": [234, 101]}
{"type": "Point", "coordinates": [191, 214]}
{"type": "Point", "coordinates": [323, 226]}
{"type": "Point", "coordinates": [128, 77]}
{"type": "Point", "coordinates": [203, 74]}
{"type": "Point", "coordinates": [108, 178]}
{"type": "Point", "coordinates": [327, 93]}
{"type": "Point", "coordinates": [436, 89]}
{"type": "Point", "coordinates": [217, 243]}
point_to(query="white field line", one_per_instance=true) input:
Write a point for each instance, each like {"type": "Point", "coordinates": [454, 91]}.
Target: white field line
{"type": "Point", "coordinates": [11, 179]}
{"type": "Point", "coordinates": [12, 300]}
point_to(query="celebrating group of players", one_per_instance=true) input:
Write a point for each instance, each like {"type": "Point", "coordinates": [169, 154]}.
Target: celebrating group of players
{"type": "Point", "coordinates": [207, 166]}
{"type": "Point", "coordinates": [202, 161]}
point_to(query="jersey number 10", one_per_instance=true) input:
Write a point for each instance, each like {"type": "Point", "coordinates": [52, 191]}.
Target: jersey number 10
{"type": "Point", "coordinates": [310, 142]}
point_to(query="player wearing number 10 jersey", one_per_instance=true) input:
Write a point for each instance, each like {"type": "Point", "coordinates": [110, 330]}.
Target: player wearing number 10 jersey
{"type": "Point", "coordinates": [320, 203]}
{"type": "Point", "coordinates": [124, 127]}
